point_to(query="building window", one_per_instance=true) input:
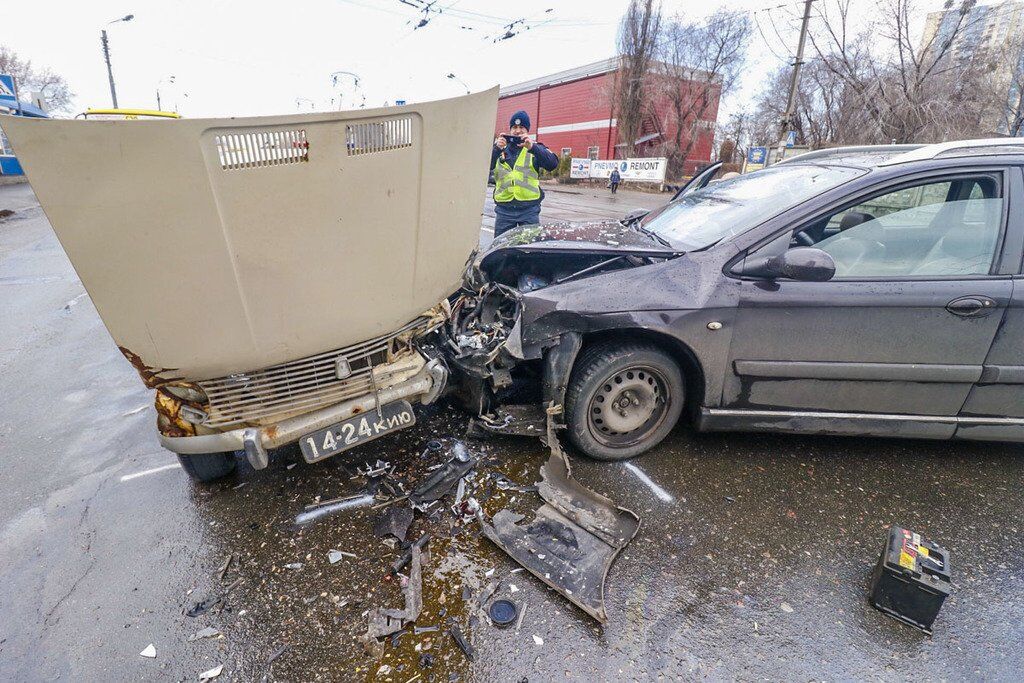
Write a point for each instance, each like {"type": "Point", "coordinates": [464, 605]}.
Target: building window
{"type": "Point", "coordinates": [566, 151]}
{"type": "Point", "coordinates": [592, 152]}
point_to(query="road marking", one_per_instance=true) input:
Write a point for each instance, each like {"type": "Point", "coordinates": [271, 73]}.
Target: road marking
{"type": "Point", "coordinates": [657, 490]}
{"type": "Point", "coordinates": [144, 473]}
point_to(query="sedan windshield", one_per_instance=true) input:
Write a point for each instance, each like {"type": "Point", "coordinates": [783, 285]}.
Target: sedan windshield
{"type": "Point", "coordinates": [733, 206]}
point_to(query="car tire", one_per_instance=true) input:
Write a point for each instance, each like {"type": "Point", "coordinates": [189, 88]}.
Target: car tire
{"type": "Point", "coordinates": [622, 399]}
{"type": "Point", "coordinates": [207, 467]}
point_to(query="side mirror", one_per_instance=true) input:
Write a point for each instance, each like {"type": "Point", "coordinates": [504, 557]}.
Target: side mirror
{"type": "Point", "coordinates": [802, 263]}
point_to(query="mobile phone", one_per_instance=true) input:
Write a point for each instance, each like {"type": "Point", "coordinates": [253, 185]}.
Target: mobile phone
{"type": "Point", "coordinates": [512, 139]}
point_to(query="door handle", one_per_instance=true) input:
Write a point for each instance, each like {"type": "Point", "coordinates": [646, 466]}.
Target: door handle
{"type": "Point", "coordinates": [971, 306]}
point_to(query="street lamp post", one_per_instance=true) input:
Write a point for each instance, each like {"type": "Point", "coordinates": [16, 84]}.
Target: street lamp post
{"type": "Point", "coordinates": [106, 56]}
{"type": "Point", "coordinates": [336, 76]}
{"type": "Point", "coordinates": [165, 79]}
{"type": "Point", "coordinates": [453, 77]}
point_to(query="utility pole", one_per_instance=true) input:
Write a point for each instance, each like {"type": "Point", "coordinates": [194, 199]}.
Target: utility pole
{"type": "Point", "coordinates": [110, 72]}
{"type": "Point", "coordinates": [787, 117]}
{"type": "Point", "coordinates": [106, 55]}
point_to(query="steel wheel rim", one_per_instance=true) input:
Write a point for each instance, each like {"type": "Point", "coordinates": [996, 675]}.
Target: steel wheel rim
{"type": "Point", "coordinates": [628, 406]}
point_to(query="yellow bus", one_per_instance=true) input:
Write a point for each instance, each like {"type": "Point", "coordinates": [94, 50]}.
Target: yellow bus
{"type": "Point", "coordinates": [126, 114]}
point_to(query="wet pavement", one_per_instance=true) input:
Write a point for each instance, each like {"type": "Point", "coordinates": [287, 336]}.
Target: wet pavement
{"type": "Point", "coordinates": [752, 560]}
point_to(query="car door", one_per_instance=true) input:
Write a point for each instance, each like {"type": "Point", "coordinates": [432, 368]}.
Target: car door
{"type": "Point", "coordinates": [994, 410]}
{"type": "Point", "coordinates": [904, 326]}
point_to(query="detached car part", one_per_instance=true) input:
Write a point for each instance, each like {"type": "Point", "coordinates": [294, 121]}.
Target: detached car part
{"type": "Point", "coordinates": [573, 538]}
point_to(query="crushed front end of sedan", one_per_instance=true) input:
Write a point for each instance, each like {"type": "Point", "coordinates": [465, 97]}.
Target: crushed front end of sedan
{"type": "Point", "coordinates": [273, 279]}
{"type": "Point", "coordinates": [516, 331]}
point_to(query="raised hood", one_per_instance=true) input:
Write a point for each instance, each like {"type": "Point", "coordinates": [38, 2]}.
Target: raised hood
{"type": "Point", "coordinates": [213, 246]}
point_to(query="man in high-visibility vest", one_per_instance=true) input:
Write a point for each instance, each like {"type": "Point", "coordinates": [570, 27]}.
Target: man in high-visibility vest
{"type": "Point", "coordinates": [516, 161]}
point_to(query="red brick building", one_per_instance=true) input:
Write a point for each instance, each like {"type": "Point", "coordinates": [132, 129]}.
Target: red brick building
{"type": "Point", "coordinates": [571, 113]}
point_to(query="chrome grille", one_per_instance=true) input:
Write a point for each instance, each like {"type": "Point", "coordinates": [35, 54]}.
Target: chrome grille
{"type": "Point", "coordinates": [304, 384]}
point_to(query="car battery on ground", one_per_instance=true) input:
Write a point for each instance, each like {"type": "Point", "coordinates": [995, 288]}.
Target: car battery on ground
{"type": "Point", "coordinates": [911, 580]}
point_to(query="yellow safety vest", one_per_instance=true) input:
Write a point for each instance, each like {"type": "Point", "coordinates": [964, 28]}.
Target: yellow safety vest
{"type": "Point", "coordinates": [520, 182]}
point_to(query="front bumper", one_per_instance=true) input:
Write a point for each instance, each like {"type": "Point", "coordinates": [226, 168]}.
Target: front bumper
{"type": "Point", "coordinates": [425, 386]}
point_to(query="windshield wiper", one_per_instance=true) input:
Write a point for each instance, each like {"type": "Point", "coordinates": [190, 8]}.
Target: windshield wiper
{"type": "Point", "coordinates": [653, 235]}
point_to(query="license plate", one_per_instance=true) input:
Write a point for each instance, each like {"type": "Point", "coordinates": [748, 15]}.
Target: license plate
{"type": "Point", "coordinates": [356, 430]}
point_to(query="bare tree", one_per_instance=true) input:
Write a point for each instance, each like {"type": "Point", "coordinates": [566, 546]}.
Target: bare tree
{"type": "Point", "coordinates": [639, 32]}
{"type": "Point", "coordinates": [905, 91]}
{"type": "Point", "coordinates": [54, 88]}
{"type": "Point", "coordinates": [697, 63]}
{"type": "Point", "coordinates": [1009, 91]}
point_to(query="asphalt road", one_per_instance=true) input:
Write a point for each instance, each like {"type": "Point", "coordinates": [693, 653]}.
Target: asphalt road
{"type": "Point", "coordinates": [752, 560]}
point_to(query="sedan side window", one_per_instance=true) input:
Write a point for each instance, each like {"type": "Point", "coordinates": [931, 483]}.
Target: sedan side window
{"type": "Point", "coordinates": [935, 229]}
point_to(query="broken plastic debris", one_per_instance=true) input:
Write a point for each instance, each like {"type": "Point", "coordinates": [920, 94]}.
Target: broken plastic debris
{"type": "Point", "coordinates": [327, 509]}
{"type": "Point", "coordinates": [378, 468]}
{"type": "Point", "coordinates": [277, 653]}
{"type": "Point", "coordinates": [208, 632]}
{"type": "Point", "coordinates": [383, 622]}
{"type": "Point", "coordinates": [460, 640]}
{"type": "Point", "coordinates": [204, 605]}
{"type": "Point", "coordinates": [537, 639]}
{"type": "Point", "coordinates": [149, 652]}
{"type": "Point", "coordinates": [293, 565]}
{"type": "Point", "coordinates": [460, 452]}
{"type": "Point", "coordinates": [522, 614]}
{"type": "Point", "coordinates": [393, 521]}
{"type": "Point", "coordinates": [440, 482]}
{"type": "Point", "coordinates": [581, 530]}
{"type": "Point", "coordinates": [334, 556]}
{"type": "Point", "coordinates": [787, 608]}
{"type": "Point", "coordinates": [210, 674]}
{"type": "Point", "coordinates": [408, 555]}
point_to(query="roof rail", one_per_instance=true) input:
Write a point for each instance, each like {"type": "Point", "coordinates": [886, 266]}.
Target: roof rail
{"type": "Point", "coordinates": [998, 146]}
{"type": "Point", "coordinates": [842, 151]}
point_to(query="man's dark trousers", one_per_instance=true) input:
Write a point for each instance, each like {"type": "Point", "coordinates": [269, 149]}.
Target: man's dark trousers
{"type": "Point", "coordinates": [508, 217]}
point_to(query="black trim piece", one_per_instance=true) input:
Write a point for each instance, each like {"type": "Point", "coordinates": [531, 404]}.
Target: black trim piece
{"type": "Point", "coordinates": [1013, 242]}
{"type": "Point", "coordinates": [1002, 374]}
{"type": "Point", "coordinates": [880, 372]}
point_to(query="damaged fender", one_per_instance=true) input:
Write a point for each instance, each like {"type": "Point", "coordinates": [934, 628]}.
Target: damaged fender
{"type": "Point", "coordinates": [573, 538]}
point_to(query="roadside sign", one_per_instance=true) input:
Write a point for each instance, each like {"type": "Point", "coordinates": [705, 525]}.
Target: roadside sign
{"type": "Point", "coordinates": [7, 96]}
{"type": "Point", "coordinates": [579, 168]}
{"type": "Point", "coordinates": [790, 138]}
{"type": "Point", "coordinates": [757, 155]}
{"type": "Point", "coordinates": [399, 103]}
{"type": "Point", "coordinates": [650, 170]}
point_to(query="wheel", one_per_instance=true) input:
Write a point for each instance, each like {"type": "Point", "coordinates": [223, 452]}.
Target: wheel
{"type": "Point", "coordinates": [207, 467]}
{"type": "Point", "coordinates": [622, 399]}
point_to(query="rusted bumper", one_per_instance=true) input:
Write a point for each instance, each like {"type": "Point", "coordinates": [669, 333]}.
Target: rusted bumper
{"type": "Point", "coordinates": [423, 387]}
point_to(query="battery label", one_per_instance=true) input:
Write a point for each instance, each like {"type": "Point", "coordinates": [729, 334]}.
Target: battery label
{"type": "Point", "coordinates": [906, 559]}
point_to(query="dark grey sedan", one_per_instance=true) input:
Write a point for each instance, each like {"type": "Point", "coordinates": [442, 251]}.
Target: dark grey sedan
{"type": "Point", "coordinates": [870, 291]}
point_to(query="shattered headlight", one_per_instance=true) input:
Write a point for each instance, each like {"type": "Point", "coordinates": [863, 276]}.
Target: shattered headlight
{"type": "Point", "coordinates": [186, 392]}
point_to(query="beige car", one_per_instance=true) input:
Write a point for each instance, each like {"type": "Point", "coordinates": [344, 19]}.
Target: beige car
{"type": "Point", "coordinates": [239, 264]}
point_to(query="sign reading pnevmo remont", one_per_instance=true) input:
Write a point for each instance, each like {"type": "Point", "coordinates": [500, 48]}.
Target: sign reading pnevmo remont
{"type": "Point", "coordinates": [638, 170]}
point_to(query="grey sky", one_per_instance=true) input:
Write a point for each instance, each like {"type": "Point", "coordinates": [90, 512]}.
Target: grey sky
{"type": "Point", "coordinates": [235, 58]}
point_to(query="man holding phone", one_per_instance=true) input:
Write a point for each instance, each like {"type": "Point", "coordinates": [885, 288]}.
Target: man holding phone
{"type": "Point", "coordinates": [517, 160]}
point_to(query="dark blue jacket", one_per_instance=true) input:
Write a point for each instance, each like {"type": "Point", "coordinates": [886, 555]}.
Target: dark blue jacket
{"type": "Point", "coordinates": [543, 158]}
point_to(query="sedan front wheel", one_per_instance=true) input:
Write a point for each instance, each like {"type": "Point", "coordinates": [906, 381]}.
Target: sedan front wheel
{"type": "Point", "coordinates": [622, 399]}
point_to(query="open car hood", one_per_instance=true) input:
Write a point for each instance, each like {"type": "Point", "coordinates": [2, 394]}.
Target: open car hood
{"type": "Point", "coordinates": [213, 246]}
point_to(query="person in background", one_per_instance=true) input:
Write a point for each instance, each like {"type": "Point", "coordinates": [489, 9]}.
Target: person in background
{"type": "Point", "coordinates": [614, 179]}
{"type": "Point", "coordinates": [517, 160]}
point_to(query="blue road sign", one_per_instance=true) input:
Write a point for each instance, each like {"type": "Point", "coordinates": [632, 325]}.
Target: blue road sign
{"type": "Point", "coordinates": [790, 138]}
{"type": "Point", "coordinates": [7, 97]}
{"type": "Point", "coordinates": [757, 155]}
